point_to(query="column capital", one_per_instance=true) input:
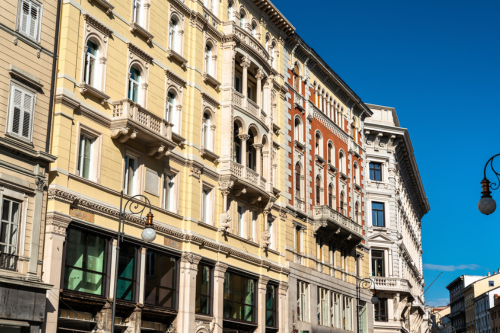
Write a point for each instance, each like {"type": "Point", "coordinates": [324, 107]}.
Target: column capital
{"type": "Point", "coordinates": [220, 269]}
{"type": "Point", "coordinates": [263, 280]}
{"type": "Point", "coordinates": [258, 145]}
{"type": "Point", "coordinates": [283, 288]}
{"type": "Point", "coordinates": [57, 223]}
{"type": "Point", "coordinates": [245, 62]}
{"type": "Point", "coordinates": [260, 74]}
{"type": "Point", "coordinates": [244, 137]}
{"type": "Point", "coordinates": [190, 260]}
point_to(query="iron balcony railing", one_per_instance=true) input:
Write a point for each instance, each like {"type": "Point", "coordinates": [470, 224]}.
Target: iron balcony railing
{"type": "Point", "coordinates": [8, 261]}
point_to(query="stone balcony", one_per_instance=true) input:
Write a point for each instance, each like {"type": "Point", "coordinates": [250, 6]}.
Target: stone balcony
{"type": "Point", "coordinates": [247, 41]}
{"type": "Point", "coordinates": [391, 284]}
{"type": "Point", "coordinates": [326, 217]}
{"type": "Point", "coordinates": [249, 106]}
{"type": "Point", "coordinates": [246, 181]}
{"type": "Point", "coordinates": [132, 121]}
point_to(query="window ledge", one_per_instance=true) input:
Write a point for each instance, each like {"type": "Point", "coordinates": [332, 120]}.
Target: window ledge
{"type": "Point", "coordinates": [208, 226]}
{"type": "Point", "coordinates": [87, 88]}
{"type": "Point", "coordinates": [319, 159]}
{"type": "Point", "coordinates": [205, 153]}
{"type": "Point", "coordinates": [332, 168]}
{"type": "Point", "coordinates": [20, 74]}
{"type": "Point", "coordinates": [134, 27]}
{"type": "Point", "coordinates": [245, 240]}
{"type": "Point", "coordinates": [207, 78]}
{"type": "Point", "coordinates": [103, 3]}
{"type": "Point", "coordinates": [25, 142]}
{"type": "Point", "coordinates": [357, 187]}
{"type": "Point", "coordinates": [343, 175]}
{"type": "Point", "coordinates": [176, 56]}
{"type": "Point", "coordinates": [299, 144]}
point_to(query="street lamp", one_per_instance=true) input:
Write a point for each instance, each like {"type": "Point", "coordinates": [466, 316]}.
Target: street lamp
{"type": "Point", "coordinates": [366, 283]}
{"type": "Point", "coordinates": [148, 235]}
{"type": "Point", "coordinates": [487, 204]}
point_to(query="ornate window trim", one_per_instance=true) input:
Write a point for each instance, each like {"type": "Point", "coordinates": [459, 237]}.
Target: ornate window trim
{"type": "Point", "coordinates": [142, 60]}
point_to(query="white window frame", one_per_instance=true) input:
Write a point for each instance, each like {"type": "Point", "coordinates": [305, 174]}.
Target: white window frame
{"type": "Point", "coordinates": [303, 298]}
{"type": "Point", "coordinates": [85, 130]}
{"type": "Point", "coordinates": [89, 57]}
{"type": "Point", "coordinates": [173, 194]}
{"type": "Point", "coordinates": [240, 219]}
{"type": "Point", "coordinates": [132, 83]}
{"type": "Point", "coordinates": [25, 91]}
{"type": "Point", "coordinates": [252, 234]}
{"type": "Point", "coordinates": [37, 24]}
{"type": "Point", "coordinates": [134, 179]}
{"type": "Point", "coordinates": [207, 207]}
{"type": "Point", "coordinates": [272, 234]}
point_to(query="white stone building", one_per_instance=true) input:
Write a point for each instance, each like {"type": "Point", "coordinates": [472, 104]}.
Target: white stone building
{"type": "Point", "coordinates": [482, 304]}
{"type": "Point", "coordinates": [396, 203]}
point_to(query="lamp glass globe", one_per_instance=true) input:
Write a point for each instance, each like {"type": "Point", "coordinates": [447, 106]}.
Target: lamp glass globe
{"type": "Point", "coordinates": [374, 300]}
{"type": "Point", "coordinates": [148, 235]}
{"type": "Point", "coordinates": [440, 327]}
{"type": "Point", "coordinates": [487, 205]}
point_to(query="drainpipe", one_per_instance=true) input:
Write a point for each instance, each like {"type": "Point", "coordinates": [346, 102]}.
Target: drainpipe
{"type": "Point", "coordinates": [53, 79]}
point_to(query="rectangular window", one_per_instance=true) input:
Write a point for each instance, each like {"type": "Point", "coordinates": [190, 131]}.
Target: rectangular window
{"type": "Point", "coordinates": [271, 306]}
{"type": "Point", "coordinates": [85, 154]}
{"type": "Point", "coordinates": [29, 19]}
{"type": "Point", "coordinates": [85, 266]}
{"type": "Point", "coordinates": [237, 83]}
{"type": "Point", "coordinates": [206, 205]}
{"type": "Point", "coordinates": [241, 220]}
{"type": "Point", "coordinates": [376, 171]}
{"type": "Point", "coordinates": [203, 303]}
{"type": "Point", "coordinates": [22, 104]}
{"type": "Point", "coordinates": [270, 228]}
{"type": "Point", "coordinates": [125, 289]}
{"type": "Point", "coordinates": [253, 226]}
{"type": "Point", "coordinates": [239, 298]}
{"type": "Point", "coordinates": [131, 171]}
{"type": "Point", "coordinates": [381, 310]}
{"type": "Point", "coordinates": [298, 240]}
{"type": "Point", "coordinates": [159, 287]}
{"type": "Point", "coordinates": [491, 283]}
{"type": "Point", "coordinates": [9, 234]}
{"type": "Point", "coordinates": [378, 267]}
{"type": "Point", "coordinates": [378, 214]}
{"type": "Point", "coordinates": [137, 12]}
{"type": "Point", "coordinates": [302, 301]}
{"type": "Point", "coordinates": [169, 192]}
{"type": "Point", "coordinates": [323, 313]}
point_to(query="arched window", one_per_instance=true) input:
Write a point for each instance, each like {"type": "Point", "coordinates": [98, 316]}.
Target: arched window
{"type": "Point", "coordinates": [342, 162]}
{"type": "Point", "coordinates": [242, 19]}
{"type": "Point", "coordinates": [318, 190]}
{"type": "Point", "coordinates": [271, 53]}
{"type": "Point", "coordinates": [297, 130]}
{"type": "Point", "coordinates": [206, 132]}
{"type": "Point", "coordinates": [341, 204]}
{"type": "Point", "coordinates": [330, 196]}
{"type": "Point", "coordinates": [330, 153]}
{"type": "Point", "coordinates": [318, 145]}
{"type": "Point", "coordinates": [237, 145]}
{"type": "Point", "coordinates": [254, 30]}
{"type": "Point", "coordinates": [173, 34]}
{"type": "Point", "coordinates": [356, 212]}
{"type": "Point", "coordinates": [134, 84]}
{"type": "Point", "coordinates": [297, 180]}
{"type": "Point", "coordinates": [229, 10]}
{"type": "Point", "coordinates": [267, 43]}
{"type": "Point", "coordinates": [208, 60]}
{"type": "Point", "coordinates": [91, 62]}
{"type": "Point", "coordinates": [251, 151]}
{"type": "Point", "coordinates": [296, 77]}
{"type": "Point", "coordinates": [355, 173]}
{"type": "Point", "coordinates": [172, 114]}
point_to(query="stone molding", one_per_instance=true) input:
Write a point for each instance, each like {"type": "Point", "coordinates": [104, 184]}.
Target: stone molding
{"type": "Point", "coordinates": [134, 50]}
{"type": "Point", "coordinates": [113, 213]}
{"type": "Point", "coordinates": [57, 223]}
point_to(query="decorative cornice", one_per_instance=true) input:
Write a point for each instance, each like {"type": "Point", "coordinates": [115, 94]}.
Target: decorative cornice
{"type": "Point", "coordinates": [57, 223]}
{"type": "Point", "coordinates": [171, 76]}
{"type": "Point", "coordinates": [133, 49]}
{"type": "Point", "coordinates": [90, 20]}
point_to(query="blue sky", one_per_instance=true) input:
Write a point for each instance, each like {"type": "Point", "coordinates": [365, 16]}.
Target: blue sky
{"type": "Point", "coordinates": [437, 63]}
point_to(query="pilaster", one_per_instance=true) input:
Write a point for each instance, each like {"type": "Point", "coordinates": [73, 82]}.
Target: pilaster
{"type": "Point", "coordinates": [187, 296]}
{"type": "Point", "coordinates": [261, 306]}
{"type": "Point", "coordinates": [219, 275]}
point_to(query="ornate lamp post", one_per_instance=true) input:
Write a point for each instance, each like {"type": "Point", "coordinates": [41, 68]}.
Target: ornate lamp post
{"type": "Point", "coordinates": [487, 204]}
{"type": "Point", "coordinates": [365, 283]}
{"type": "Point", "coordinates": [148, 235]}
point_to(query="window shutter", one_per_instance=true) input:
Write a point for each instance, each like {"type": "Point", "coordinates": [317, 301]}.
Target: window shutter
{"type": "Point", "coordinates": [16, 110]}
{"type": "Point", "coordinates": [25, 12]}
{"type": "Point", "coordinates": [34, 20]}
{"type": "Point", "coordinates": [28, 104]}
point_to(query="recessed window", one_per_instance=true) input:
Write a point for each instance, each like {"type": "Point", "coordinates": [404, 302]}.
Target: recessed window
{"type": "Point", "coordinates": [169, 192]}
{"type": "Point", "coordinates": [159, 288]}
{"type": "Point", "coordinates": [330, 196]}
{"type": "Point", "coordinates": [381, 310]}
{"type": "Point", "coordinates": [206, 205]}
{"type": "Point", "coordinates": [378, 214]}
{"type": "Point", "coordinates": [491, 283]}
{"type": "Point", "coordinates": [134, 83]}
{"type": "Point", "coordinates": [91, 62]}
{"type": "Point", "coordinates": [376, 171]}
{"type": "Point", "coordinates": [271, 306]}
{"type": "Point", "coordinates": [206, 132]}
{"type": "Point", "coordinates": [131, 175]}
{"type": "Point", "coordinates": [297, 181]}
{"type": "Point", "coordinates": [137, 18]}
{"type": "Point", "coordinates": [378, 268]}
{"type": "Point", "coordinates": [85, 156]}
{"type": "Point", "coordinates": [239, 298]}
{"type": "Point", "coordinates": [9, 234]}
{"type": "Point", "coordinates": [241, 220]}
{"type": "Point", "coordinates": [127, 277]}
{"type": "Point", "coordinates": [302, 301]}
{"type": "Point", "coordinates": [85, 265]}
{"type": "Point", "coordinates": [270, 228]}
{"type": "Point", "coordinates": [298, 240]}
{"type": "Point", "coordinates": [203, 301]}
{"type": "Point", "coordinates": [22, 103]}
{"type": "Point", "coordinates": [173, 35]}
{"type": "Point", "coordinates": [29, 19]}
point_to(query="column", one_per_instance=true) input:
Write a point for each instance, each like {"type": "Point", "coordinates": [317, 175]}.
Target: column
{"type": "Point", "coordinates": [142, 275]}
{"type": "Point", "coordinates": [283, 306]}
{"type": "Point", "coordinates": [55, 234]}
{"type": "Point", "coordinates": [261, 306]}
{"type": "Point", "coordinates": [36, 225]}
{"type": "Point", "coordinates": [218, 302]}
{"type": "Point", "coordinates": [244, 138]}
{"type": "Point", "coordinates": [259, 77]}
{"type": "Point", "coordinates": [258, 147]}
{"type": "Point", "coordinates": [187, 296]}
{"type": "Point", "coordinates": [244, 85]}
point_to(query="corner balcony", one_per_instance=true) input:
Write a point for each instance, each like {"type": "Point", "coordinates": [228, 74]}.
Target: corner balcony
{"type": "Point", "coordinates": [391, 284]}
{"type": "Point", "coordinates": [247, 105]}
{"type": "Point", "coordinates": [132, 121]}
{"type": "Point", "coordinates": [246, 181]}
{"type": "Point", "coordinates": [246, 41]}
{"type": "Point", "coordinates": [326, 217]}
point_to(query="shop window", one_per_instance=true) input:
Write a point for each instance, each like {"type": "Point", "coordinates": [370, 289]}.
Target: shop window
{"type": "Point", "coordinates": [239, 298]}
{"type": "Point", "coordinates": [159, 289]}
{"type": "Point", "coordinates": [203, 301]}
{"type": "Point", "coordinates": [127, 275]}
{"type": "Point", "coordinates": [271, 306]}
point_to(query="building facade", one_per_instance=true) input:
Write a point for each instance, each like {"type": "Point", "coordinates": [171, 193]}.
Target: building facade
{"type": "Point", "coordinates": [325, 163]}
{"type": "Point", "coordinates": [471, 294]}
{"type": "Point", "coordinates": [482, 304]}
{"type": "Point", "coordinates": [182, 102]}
{"type": "Point", "coordinates": [396, 203]}
{"type": "Point", "coordinates": [457, 300]}
{"type": "Point", "coordinates": [494, 312]}
{"type": "Point", "coordinates": [29, 40]}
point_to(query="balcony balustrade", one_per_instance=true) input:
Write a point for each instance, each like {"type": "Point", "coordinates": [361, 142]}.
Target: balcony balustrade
{"type": "Point", "coordinates": [245, 175]}
{"type": "Point", "coordinates": [8, 261]}
{"type": "Point", "coordinates": [131, 121]}
{"type": "Point", "coordinates": [299, 259]}
{"type": "Point", "coordinates": [391, 284]}
{"type": "Point", "coordinates": [249, 106]}
{"type": "Point", "coordinates": [325, 216]}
